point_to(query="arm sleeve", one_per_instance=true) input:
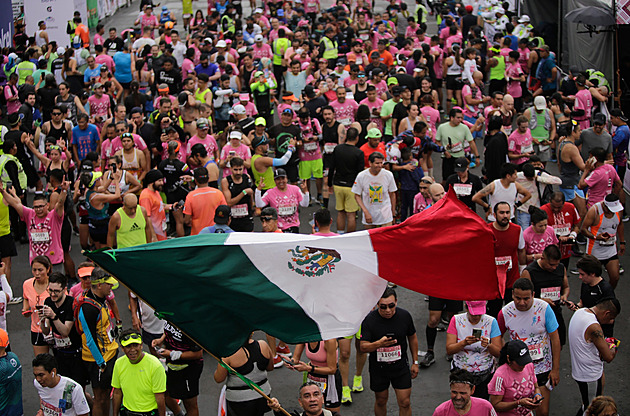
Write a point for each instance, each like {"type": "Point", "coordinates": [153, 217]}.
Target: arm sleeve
{"type": "Point", "coordinates": [283, 160]}
{"type": "Point", "coordinates": [260, 203]}
{"type": "Point", "coordinates": [452, 328]}
{"type": "Point", "coordinates": [305, 199]}
{"type": "Point", "coordinates": [5, 286]}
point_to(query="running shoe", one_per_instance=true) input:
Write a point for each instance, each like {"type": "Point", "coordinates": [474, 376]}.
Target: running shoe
{"type": "Point", "coordinates": [284, 351]}
{"type": "Point", "coordinates": [16, 300]}
{"type": "Point", "coordinates": [428, 360]}
{"type": "Point", "coordinates": [346, 397]}
{"type": "Point", "coordinates": [277, 362]}
{"type": "Point", "coordinates": [357, 384]}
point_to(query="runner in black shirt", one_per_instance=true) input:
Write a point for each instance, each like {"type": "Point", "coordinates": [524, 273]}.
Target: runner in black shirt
{"type": "Point", "coordinates": [464, 183]}
{"type": "Point", "coordinates": [282, 134]}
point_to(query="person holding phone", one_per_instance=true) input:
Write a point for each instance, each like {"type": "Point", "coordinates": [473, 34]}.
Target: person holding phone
{"type": "Point", "coordinates": [386, 333]}
{"type": "Point", "coordinates": [473, 338]}
{"type": "Point", "coordinates": [603, 226]}
{"type": "Point", "coordinates": [513, 389]}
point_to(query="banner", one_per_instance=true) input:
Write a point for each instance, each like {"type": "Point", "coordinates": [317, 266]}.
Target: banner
{"type": "Point", "coordinates": [55, 13]}
{"type": "Point", "coordinates": [92, 20]}
{"type": "Point", "coordinates": [6, 24]}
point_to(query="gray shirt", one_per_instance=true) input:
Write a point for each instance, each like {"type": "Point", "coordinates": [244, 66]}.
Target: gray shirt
{"type": "Point", "coordinates": [589, 140]}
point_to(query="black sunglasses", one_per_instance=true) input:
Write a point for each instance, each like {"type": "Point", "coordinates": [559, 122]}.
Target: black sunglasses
{"type": "Point", "coordinates": [388, 306]}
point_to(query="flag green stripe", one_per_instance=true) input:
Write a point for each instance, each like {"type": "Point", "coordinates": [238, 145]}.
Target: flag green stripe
{"type": "Point", "coordinates": [223, 304]}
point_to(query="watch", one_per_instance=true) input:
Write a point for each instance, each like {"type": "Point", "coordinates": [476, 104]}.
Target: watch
{"type": "Point", "coordinates": [416, 362]}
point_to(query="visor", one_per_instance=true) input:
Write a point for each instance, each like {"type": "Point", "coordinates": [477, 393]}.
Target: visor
{"type": "Point", "coordinates": [131, 339]}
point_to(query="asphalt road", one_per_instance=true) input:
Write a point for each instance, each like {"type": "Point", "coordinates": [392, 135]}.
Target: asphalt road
{"type": "Point", "coordinates": [429, 389]}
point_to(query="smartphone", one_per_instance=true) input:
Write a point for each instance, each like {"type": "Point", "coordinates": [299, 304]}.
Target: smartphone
{"type": "Point", "coordinates": [391, 335]}
{"type": "Point", "coordinates": [539, 400]}
{"type": "Point", "coordinates": [606, 235]}
{"type": "Point", "coordinates": [9, 185]}
{"type": "Point", "coordinates": [476, 333]}
{"type": "Point", "coordinates": [232, 153]}
{"type": "Point", "coordinates": [315, 227]}
{"type": "Point", "coordinates": [286, 360]}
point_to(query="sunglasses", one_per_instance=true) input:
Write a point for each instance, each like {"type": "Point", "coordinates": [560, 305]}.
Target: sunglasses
{"type": "Point", "coordinates": [54, 147]}
{"type": "Point", "coordinates": [56, 113]}
{"type": "Point", "coordinates": [131, 336]}
{"type": "Point", "coordinates": [265, 219]}
{"type": "Point", "coordinates": [388, 306]}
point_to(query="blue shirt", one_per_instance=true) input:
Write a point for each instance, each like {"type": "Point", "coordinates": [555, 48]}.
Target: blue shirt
{"type": "Point", "coordinates": [92, 73]}
{"type": "Point", "coordinates": [123, 66]}
{"type": "Point", "coordinates": [85, 140]}
{"type": "Point", "coordinates": [620, 144]}
{"type": "Point", "coordinates": [10, 385]}
{"type": "Point", "coordinates": [216, 228]}
{"type": "Point", "coordinates": [210, 70]}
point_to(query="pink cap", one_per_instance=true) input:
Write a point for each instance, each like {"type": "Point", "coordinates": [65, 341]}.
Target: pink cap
{"type": "Point", "coordinates": [476, 307]}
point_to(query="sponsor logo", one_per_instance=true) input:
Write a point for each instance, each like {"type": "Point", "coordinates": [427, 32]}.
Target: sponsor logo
{"type": "Point", "coordinates": [312, 261]}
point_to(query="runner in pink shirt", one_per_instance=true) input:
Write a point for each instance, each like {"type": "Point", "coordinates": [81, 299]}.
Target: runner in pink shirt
{"type": "Point", "coordinates": [520, 142]}
{"type": "Point", "coordinates": [204, 138]}
{"type": "Point", "coordinates": [261, 49]}
{"type": "Point", "coordinates": [375, 105]}
{"type": "Point", "coordinates": [235, 148]}
{"type": "Point", "coordinates": [430, 114]}
{"type": "Point", "coordinates": [116, 143]}
{"type": "Point", "coordinates": [345, 109]}
{"type": "Point", "coordinates": [599, 177]}
{"type": "Point", "coordinates": [285, 199]}
{"type": "Point", "coordinates": [514, 75]}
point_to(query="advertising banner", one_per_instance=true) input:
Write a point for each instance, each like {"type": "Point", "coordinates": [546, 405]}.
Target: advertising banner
{"type": "Point", "coordinates": [55, 13]}
{"type": "Point", "coordinates": [6, 24]}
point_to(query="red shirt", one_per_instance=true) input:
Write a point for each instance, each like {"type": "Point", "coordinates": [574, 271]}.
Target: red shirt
{"type": "Point", "coordinates": [367, 151]}
{"type": "Point", "coordinates": [562, 222]}
{"type": "Point", "coordinates": [506, 250]}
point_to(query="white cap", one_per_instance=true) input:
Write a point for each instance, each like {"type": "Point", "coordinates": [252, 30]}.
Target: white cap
{"type": "Point", "coordinates": [500, 10]}
{"type": "Point", "coordinates": [524, 19]}
{"type": "Point", "coordinates": [540, 103]}
{"type": "Point", "coordinates": [258, 10]}
{"type": "Point", "coordinates": [14, 55]}
{"type": "Point", "coordinates": [258, 38]}
{"type": "Point", "coordinates": [238, 109]}
{"type": "Point", "coordinates": [61, 50]}
{"type": "Point", "coordinates": [221, 44]}
{"type": "Point", "coordinates": [236, 135]}
{"type": "Point", "coordinates": [207, 40]}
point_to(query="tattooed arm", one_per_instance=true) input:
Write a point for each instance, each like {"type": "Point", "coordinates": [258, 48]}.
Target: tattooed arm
{"type": "Point", "coordinates": [478, 198]}
{"type": "Point", "coordinates": [595, 334]}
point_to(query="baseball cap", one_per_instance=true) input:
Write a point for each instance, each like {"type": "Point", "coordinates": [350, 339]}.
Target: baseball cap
{"type": "Point", "coordinates": [269, 213]}
{"type": "Point", "coordinates": [461, 164]}
{"type": "Point", "coordinates": [287, 95]}
{"type": "Point", "coordinates": [4, 338]}
{"type": "Point", "coordinates": [540, 103]}
{"type": "Point", "coordinates": [238, 109]}
{"type": "Point", "coordinates": [258, 10]}
{"type": "Point", "coordinates": [132, 338]}
{"type": "Point", "coordinates": [222, 214]}
{"type": "Point", "coordinates": [201, 173]}
{"type": "Point", "coordinates": [287, 111]}
{"type": "Point", "coordinates": [392, 81]}
{"type": "Point", "coordinates": [258, 141]}
{"type": "Point", "coordinates": [476, 307]}
{"type": "Point", "coordinates": [396, 90]}
{"type": "Point", "coordinates": [202, 123]}
{"type": "Point", "coordinates": [258, 73]}
{"type": "Point", "coordinates": [616, 112]}
{"type": "Point", "coordinates": [235, 134]}
{"type": "Point", "coordinates": [221, 44]}
{"type": "Point", "coordinates": [258, 38]}
{"type": "Point", "coordinates": [518, 352]}
{"type": "Point", "coordinates": [101, 276]}
{"type": "Point", "coordinates": [469, 8]}
{"type": "Point", "coordinates": [280, 173]}
{"type": "Point", "coordinates": [524, 19]}
{"type": "Point", "coordinates": [244, 96]}
{"type": "Point", "coordinates": [95, 177]}
{"type": "Point", "coordinates": [260, 121]}
{"type": "Point", "coordinates": [612, 203]}
{"type": "Point", "coordinates": [500, 10]}
{"type": "Point", "coordinates": [374, 133]}
{"type": "Point", "coordinates": [97, 85]}
{"type": "Point", "coordinates": [599, 118]}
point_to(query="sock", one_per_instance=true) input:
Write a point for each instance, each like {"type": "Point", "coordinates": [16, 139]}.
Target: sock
{"type": "Point", "coordinates": [431, 335]}
{"type": "Point", "coordinates": [431, 172]}
{"type": "Point", "coordinates": [326, 202]}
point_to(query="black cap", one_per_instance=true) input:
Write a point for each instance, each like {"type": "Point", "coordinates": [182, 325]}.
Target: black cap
{"type": "Point", "coordinates": [280, 173]}
{"type": "Point", "coordinates": [616, 112]}
{"type": "Point", "coordinates": [518, 352]}
{"type": "Point", "coordinates": [269, 212]}
{"type": "Point", "coordinates": [396, 90]}
{"type": "Point", "coordinates": [309, 91]}
{"type": "Point", "coordinates": [599, 118]}
{"type": "Point", "coordinates": [461, 164]}
{"type": "Point", "coordinates": [222, 214]}
{"type": "Point", "coordinates": [201, 174]}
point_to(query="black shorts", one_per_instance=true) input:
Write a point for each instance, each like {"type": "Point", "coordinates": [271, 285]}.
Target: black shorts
{"type": "Point", "coordinates": [256, 407]}
{"type": "Point", "coordinates": [605, 262]}
{"type": "Point", "coordinates": [292, 173]}
{"type": "Point", "coordinates": [71, 365]}
{"type": "Point", "coordinates": [332, 398]}
{"type": "Point", "coordinates": [148, 337]}
{"type": "Point", "coordinates": [184, 384]}
{"type": "Point", "coordinates": [125, 85]}
{"type": "Point", "coordinates": [381, 379]}
{"type": "Point", "coordinates": [542, 378]}
{"type": "Point", "coordinates": [37, 339]}
{"type": "Point", "coordinates": [437, 84]}
{"type": "Point", "coordinates": [98, 229]}
{"type": "Point", "coordinates": [98, 379]}
{"type": "Point", "coordinates": [439, 304]}
{"type": "Point", "coordinates": [454, 82]}
{"type": "Point", "coordinates": [66, 234]}
{"type": "Point", "coordinates": [7, 246]}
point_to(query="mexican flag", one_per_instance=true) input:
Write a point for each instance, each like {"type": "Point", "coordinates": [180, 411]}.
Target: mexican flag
{"type": "Point", "coordinates": [218, 288]}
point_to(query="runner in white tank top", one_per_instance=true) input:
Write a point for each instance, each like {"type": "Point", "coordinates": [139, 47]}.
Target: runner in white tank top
{"type": "Point", "coordinates": [502, 194]}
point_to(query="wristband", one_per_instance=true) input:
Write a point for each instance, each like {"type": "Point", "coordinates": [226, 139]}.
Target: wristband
{"type": "Point", "coordinates": [244, 192]}
{"type": "Point", "coordinates": [518, 204]}
{"type": "Point", "coordinates": [573, 235]}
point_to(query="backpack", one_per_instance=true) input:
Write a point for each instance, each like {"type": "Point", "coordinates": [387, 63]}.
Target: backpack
{"type": "Point", "coordinates": [76, 308]}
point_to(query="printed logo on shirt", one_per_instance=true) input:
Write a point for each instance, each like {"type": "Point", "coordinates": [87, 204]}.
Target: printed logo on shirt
{"type": "Point", "coordinates": [376, 193]}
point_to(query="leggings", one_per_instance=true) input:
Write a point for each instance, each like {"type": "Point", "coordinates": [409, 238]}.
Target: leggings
{"type": "Point", "coordinates": [588, 391]}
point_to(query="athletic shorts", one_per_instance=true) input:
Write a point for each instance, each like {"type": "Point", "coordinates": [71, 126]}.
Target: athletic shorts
{"type": "Point", "coordinates": [98, 379]}
{"type": "Point", "coordinates": [437, 83]}
{"type": "Point", "coordinates": [292, 173]}
{"type": "Point", "coordinates": [571, 193]}
{"type": "Point", "coordinates": [454, 82]}
{"type": "Point", "coordinates": [66, 234]}
{"type": "Point", "coordinates": [438, 304]}
{"type": "Point", "coordinates": [542, 378]}
{"type": "Point", "coordinates": [381, 379]}
{"type": "Point", "coordinates": [292, 230]}
{"type": "Point", "coordinates": [184, 384]}
{"type": "Point", "coordinates": [7, 246]}
{"type": "Point", "coordinates": [345, 200]}
{"type": "Point", "coordinates": [71, 365]}
{"type": "Point", "coordinates": [125, 85]}
{"type": "Point", "coordinates": [37, 339]}
{"type": "Point", "coordinates": [605, 262]}
{"type": "Point", "coordinates": [357, 335]}
{"type": "Point", "coordinates": [148, 337]}
{"type": "Point", "coordinates": [98, 229]}
{"type": "Point", "coordinates": [332, 389]}
{"type": "Point", "coordinates": [311, 168]}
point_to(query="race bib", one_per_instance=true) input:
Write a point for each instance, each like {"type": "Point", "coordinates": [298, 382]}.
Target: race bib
{"type": "Point", "coordinates": [40, 236]}
{"type": "Point", "coordinates": [329, 147]}
{"type": "Point", "coordinates": [462, 189]}
{"type": "Point", "coordinates": [240, 211]}
{"type": "Point", "coordinates": [320, 381]}
{"type": "Point", "coordinates": [562, 230]}
{"type": "Point", "coordinates": [311, 4]}
{"type": "Point", "coordinates": [457, 148]}
{"type": "Point", "coordinates": [62, 342]}
{"type": "Point", "coordinates": [310, 146]}
{"type": "Point", "coordinates": [286, 211]}
{"type": "Point", "coordinates": [535, 351]}
{"type": "Point", "coordinates": [359, 61]}
{"type": "Point", "coordinates": [543, 147]}
{"type": "Point", "coordinates": [345, 121]}
{"type": "Point", "coordinates": [364, 36]}
{"type": "Point", "coordinates": [388, 354]}
{"type": "Point", "coordinates": [552, 293]}
{"type": "Point", "coordinates": [499, 261]}
{"type": "Point", "coordinates": [527, 149]}
{"type": "Point", "coordinates": [610, 242]}
{"type": "Point", "coordinates": [50, 410]}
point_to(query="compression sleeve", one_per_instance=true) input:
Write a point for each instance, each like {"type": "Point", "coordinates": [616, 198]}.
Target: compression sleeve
{"type": "Point", "coordinates": [258, 197]}
{"type": "Point", "coordinates": [5, 286]}
{"type": "Point", "coordinates": [284, 159]}
{"type": "Point", "coordinates": [305, 200]}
